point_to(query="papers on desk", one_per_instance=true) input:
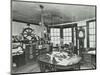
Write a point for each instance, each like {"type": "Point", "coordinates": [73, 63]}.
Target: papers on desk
{"type": "Point", "coordinates": [92, 52]}
{"type": "Point", "coordinates": [70, 61]}
{"type": "Point", "coordinates": [17, 51]}
{"type": "Point", "coordinates": [64, 61]}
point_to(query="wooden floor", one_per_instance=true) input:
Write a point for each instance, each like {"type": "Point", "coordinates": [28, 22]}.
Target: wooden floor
{"type": "Point", "coordinates": [34, 67]}
{"type": "Point", "coordinates": [29, 67]}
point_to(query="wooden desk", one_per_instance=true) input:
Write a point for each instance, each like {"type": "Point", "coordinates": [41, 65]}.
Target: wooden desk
{"type": "Point", "coordinates": [90, 58]}
{"type": "Point", "coordinates": [19, 60]}
{"type": "Point", "coordinates": [46, 64]}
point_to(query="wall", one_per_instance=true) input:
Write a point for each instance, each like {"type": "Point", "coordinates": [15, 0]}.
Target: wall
{"type": "Point", "coordinates": [17, 28]}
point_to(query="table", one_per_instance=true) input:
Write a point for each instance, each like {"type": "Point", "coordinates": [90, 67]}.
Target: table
{"type": "Point", "coordinates": [90, 58]}
{"type": "Point", "coordinates": [46, 65]}
{"type": "Point", "coordinates": [18, 57]}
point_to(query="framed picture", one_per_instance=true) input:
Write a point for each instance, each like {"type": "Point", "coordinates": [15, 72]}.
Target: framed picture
{"type": "Point", "coordinates": [48, 37]}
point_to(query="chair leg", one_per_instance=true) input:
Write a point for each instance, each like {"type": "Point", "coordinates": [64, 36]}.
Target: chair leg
{"type": "Point", "coordinates": [42, 67]}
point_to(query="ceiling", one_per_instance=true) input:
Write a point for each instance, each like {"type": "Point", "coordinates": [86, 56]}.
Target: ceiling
{"type": "Point", "coordinates": [53, 14]}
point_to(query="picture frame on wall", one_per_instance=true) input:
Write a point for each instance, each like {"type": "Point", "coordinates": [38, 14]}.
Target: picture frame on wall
{"type": "Point", "coordinates": [52, 37]}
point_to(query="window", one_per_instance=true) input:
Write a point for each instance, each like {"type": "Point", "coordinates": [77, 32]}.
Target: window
{"type": "Point", "coordinates": [55, 35]}
{"type": "Point", "coordinates": [92, 34]}
{"type": "Point", "coordinates": [67, 35]}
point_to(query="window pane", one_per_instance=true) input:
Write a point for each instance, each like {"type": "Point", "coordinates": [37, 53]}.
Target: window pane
{"type": "Point", "coordinates": [92, 38]}
{"type": "Point", "coordinates": [65, 38]}
{"type": "Point", "coordinates": [92, 25]}
{"type": "Point", "coordinates": [55, 35]}
{"type": "Point", "coordinates": [51, 34]}
{"type": "Point", "coordinates": [51, 30]}
{"type": "Point", "coordinates": [63, 34]}
{"type": "Point", "coordinates": [69, 38]}
{"type": "Point", "coordinates": [54, 30]}
{"type": "Point", "coordinates": [91, 31]}
{"type": "Point", "coordinates": [92, 44]}
{"type": "Point", "coordinates": [64, 30]}
{"type": "Point", "coordinates": [69, 30]}
{"type": "Point", "coordinates": [69, 34]}
{"type": "Point", "coordinates": [57, 30]}
{"type": "Point", "coordinates": [92, 34]}
{"type": "Point", "coordinates": [66, 34]}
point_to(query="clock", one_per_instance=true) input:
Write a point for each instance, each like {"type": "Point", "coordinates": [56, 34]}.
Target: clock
{"type": "Point", "coordinates": [81, 37]}
{"type": "Point", "coordinates": [81, 33]}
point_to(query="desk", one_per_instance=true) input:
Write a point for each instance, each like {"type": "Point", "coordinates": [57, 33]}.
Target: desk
{"type": "Point", "coordinates": [18, 57]}
{"type": "Point", "coordinates": [45, 63]}
{"type": "Point", "coordinates": [90, 58]}
{"type": "Point", "coordinates": [19, 60]}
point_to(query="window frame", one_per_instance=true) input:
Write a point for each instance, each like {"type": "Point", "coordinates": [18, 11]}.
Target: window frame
{"type": "Point", "coordinates": [71, 36]}
{"type": "Point", "coordinates": [88, 34]}
{"type": "Point", "coordinates": [54, 36]}
{"type": "Point", "coordinates": [67, 26]}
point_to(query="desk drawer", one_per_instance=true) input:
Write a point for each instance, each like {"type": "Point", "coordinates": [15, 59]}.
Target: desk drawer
{"type": "Point", "coordinates": [87, 58]}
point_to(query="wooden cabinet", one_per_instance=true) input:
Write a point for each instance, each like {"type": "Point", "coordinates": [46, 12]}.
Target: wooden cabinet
{"type": "Point", "coordinates": [39, 52]}
{"type": "Point", "coordinates": [90, 59]}
{"type": "Point", "coordinates": [31, 53]}
{"type": "Point", "coordinates": [19, 60]}
{"type": "Point", "coordinates": [87, 58]}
